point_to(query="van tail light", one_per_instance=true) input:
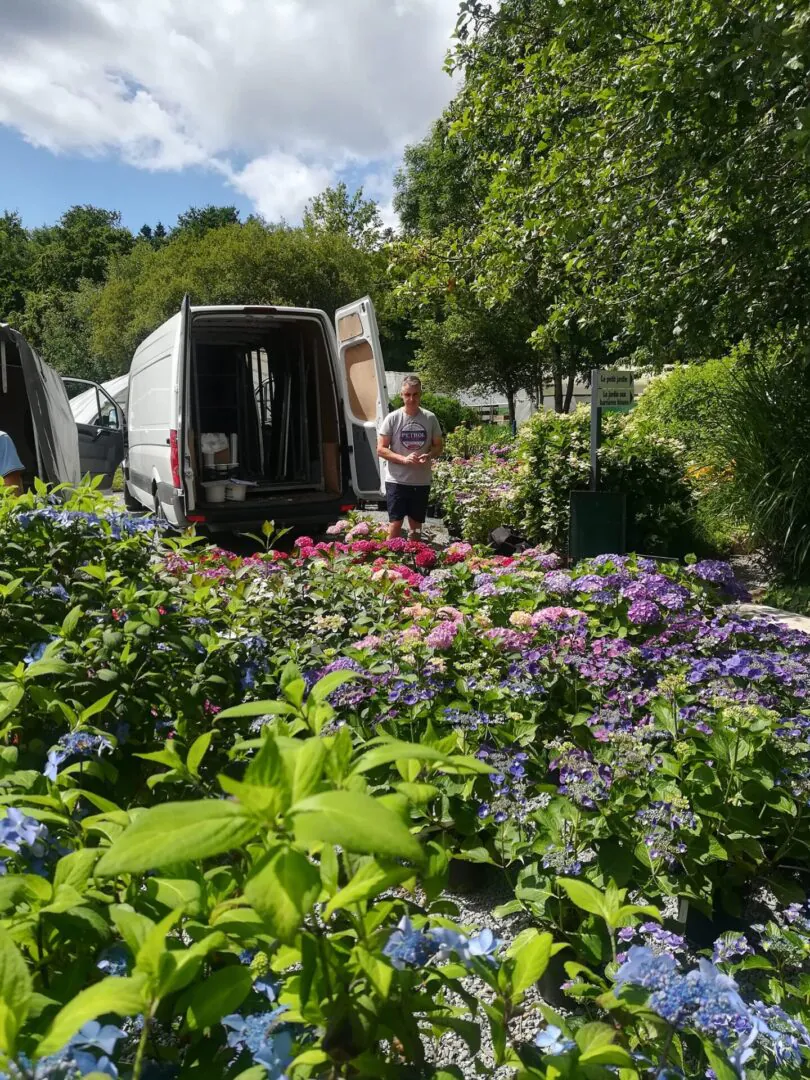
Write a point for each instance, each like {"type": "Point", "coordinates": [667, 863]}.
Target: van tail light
{"type": "Point", "coordinates": [195, 519]}
{"type": "Point", "coordinates": [349, 506]}
{"type": "Point", "coordinates": [174, 459]}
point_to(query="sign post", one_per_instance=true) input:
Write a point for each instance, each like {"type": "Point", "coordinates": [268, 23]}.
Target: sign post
{"type": "Point", "coordinates": [598, 518]}
{"type": "Point", "coordinates": [596, 429]}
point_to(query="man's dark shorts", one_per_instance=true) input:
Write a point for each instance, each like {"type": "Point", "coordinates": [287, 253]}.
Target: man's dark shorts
{"type": "Point", "coordinates": [407, 500]}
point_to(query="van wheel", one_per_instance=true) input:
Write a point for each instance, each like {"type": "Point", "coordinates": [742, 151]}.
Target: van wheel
{"type": "Point", "coordinates": [130, 502]}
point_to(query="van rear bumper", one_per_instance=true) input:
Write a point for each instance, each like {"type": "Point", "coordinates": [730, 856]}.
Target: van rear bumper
{"type": "Point", "coordinates": [250, 516]}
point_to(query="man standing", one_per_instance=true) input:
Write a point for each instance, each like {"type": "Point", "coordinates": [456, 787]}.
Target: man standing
{"type": "Point", "coordinates": [11, 467]}
{"type": "Point", "coordinates": [408, 441]}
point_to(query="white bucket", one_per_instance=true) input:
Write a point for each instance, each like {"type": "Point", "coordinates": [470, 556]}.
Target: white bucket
{"type": "Point", "coordinates": [209, 459]}
{"type": "Point", "coordinates": [214, 491]}
{"type": "Point", "coordinates": [235, 492]}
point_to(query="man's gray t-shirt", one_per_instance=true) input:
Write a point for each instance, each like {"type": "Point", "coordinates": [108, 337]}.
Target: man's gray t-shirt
{"type": "Point", "coordinates": [409, 434]}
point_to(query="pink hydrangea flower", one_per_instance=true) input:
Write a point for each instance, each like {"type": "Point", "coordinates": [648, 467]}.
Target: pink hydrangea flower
{"type": "Point", "coordinates": [370, 641]}
{"type": "Point", "coordinates": [448, 612]}
{"type": "Point", "coordinates": [556, 614]}
{"type": "Point", "coordinates": [443, 635]}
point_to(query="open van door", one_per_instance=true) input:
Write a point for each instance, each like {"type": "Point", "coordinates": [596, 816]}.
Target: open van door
{"type": "Point", "coordinates": [365, 399]}
{"type": "Point", "coordinates": [100, 427]}
{"type": "Point", "coordinates": [39, 397]}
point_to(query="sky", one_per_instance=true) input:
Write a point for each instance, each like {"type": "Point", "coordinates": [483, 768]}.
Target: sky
{"type": "Point", "coordinates": [153, 106]}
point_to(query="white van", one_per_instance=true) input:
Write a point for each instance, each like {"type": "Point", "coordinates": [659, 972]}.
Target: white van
{"type": "Point", "coordinates": [298, 402]}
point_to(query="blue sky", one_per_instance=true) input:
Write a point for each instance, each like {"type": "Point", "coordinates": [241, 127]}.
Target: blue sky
{"type": "Point", "coordinates": [155, 107]}
{"type": "Point", "coordinates": [41, 185]}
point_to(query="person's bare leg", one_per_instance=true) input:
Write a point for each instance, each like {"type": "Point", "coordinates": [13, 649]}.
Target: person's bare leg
{"type": "Point", "coordinates": [394, 529]}
{"type": "Point", "coordinates": [414, 529]}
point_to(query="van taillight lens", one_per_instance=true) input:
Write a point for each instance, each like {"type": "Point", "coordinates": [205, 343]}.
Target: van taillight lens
{"type": "Point", "coordinates": [174, 459]}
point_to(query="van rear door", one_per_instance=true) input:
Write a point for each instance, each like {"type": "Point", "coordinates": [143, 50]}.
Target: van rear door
{"type": "Point", "coordinates": [365, 398]}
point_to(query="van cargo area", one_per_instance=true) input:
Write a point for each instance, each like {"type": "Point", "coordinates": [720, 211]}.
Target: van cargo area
{"type": "Point", "coordinates": [267, 384]}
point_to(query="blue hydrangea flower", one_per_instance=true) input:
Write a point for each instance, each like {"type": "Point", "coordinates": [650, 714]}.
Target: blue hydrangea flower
{"type": "Point", "coordinates": [260, 1036]}
{"type": "Point", "coordinates": [78, 744]}
{"type": "Point", "coordinates": [553, 1042]}
{"type": "Point", "coordinates": [114, 960]}
{"type": "Point", "coordinates": [409, 947]}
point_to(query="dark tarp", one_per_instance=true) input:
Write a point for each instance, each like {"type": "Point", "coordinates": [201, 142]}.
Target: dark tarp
{"type": "Point", "coordinates": [54, 427]}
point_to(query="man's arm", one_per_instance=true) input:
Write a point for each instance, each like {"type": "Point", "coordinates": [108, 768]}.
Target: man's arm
{"type": "Point", "coordinates": [387, 454]}
{"type": "Point", "coordinates": [435, 451]}
{"type": "Point", "coordinates": [14, 480]}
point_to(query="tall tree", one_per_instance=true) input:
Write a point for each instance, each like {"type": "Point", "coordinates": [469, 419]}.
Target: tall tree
{"type": "Point", "coordinates": [198, 220]}
{"type": "Point", "coordinates": [335, 211]}
{"type": "Point", "coordinates": [235, 264]}
{"type": "Point", "coordinates": [648, 163]}
{"type": "Point", "coordinates": [77, 248]}
{"type": "Point", "coordinates": [15, 258]}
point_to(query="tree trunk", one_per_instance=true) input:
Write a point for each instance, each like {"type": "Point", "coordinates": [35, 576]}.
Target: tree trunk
{"type": "Point", "coordinates": [556, 374]}
{"type": "Point", "coordinates": [558, 392]}
{"type": "Point", "coordinates": [569, 391]}
{"type": "Point", "coordinates": [510, 402]}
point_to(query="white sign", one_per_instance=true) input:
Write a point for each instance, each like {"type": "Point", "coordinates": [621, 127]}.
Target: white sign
{"type": "Point", "coordinates": [615, 389]}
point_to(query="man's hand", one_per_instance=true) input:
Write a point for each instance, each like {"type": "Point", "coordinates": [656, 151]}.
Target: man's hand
{"type": "Point", "coordinates": [425, 458]}
{"type": "Point", "coordinates": [414, 459]}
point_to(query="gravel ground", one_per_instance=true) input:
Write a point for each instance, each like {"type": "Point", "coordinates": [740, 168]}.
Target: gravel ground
{"type": "Point", "coordinates": [476, 911]}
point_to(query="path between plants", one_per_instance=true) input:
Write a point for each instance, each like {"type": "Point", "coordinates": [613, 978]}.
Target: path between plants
{"type": "Point", "coordinates": [787, 618]}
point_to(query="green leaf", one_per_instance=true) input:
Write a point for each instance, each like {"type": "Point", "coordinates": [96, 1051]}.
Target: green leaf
{"type": "Point", "coordinates": [355, 821]}
{"type": "Point", "coordinates": [133, 927]}
{"type": "Point", "coordinates": [591, 1037]}
{"type": "Point", "coordinates": [379, 973]}
{"type": "Point", "coordinates": [120, 996]}
{"type": "Point", "coordinates": [176, 832]}
{"type": "Point", "coordinates": [71, 620]}
{"type": "Point", "coordinates": [220, 994]}
{"type": "Point", "coordinates": [329, 683]}
{"type": "Point", "coordinates": [531, 959]}
{"type": "Point", "coordinates": [96, 708]}
{"type": "Point", "coordinates": [370, 880]}
{"type": "Point", "coordinates": [284, 890]}
{"type": "Point", "coordinates": [308, 764]}
{"type": "Point", "coordinates": [722, 1069]}
{"type": "Point", "coordinates": [257, 708]}
{"type": "Point", "coordinates": [585, 896]}
{"type": "Point", "coordinates": [16, 990]}
{"type": "Point", "coordinates": [75, 869]}
{"type": "Point", "coordinates": [198, 750]}
{"type": "Point", "coordinates": [395, 750]}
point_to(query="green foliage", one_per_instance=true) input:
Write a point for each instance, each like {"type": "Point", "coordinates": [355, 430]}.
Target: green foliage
{"type": "Point", "coordinates": [763, 432]}
{"type": "Point", "coordinates": [687, 405]}
{"type": "Point", "coordinates": [78, 248]}
{"type": "Point", "coordinates": [467, 442]}
{"type": "Point", "coordinates": [335, 211]}
{"type": "Point", "coordinates": [198, 220]}
{"type": "Point", "coordinates": [449, 410]}
{"type": "Point", "coordinates": [234, 264]}
{"type": "Point", "coordinates": [645, 162]}
{"type": "Point", "coordinates": [554, 451]}
{"type": "Point", "coordinates": [225, 809]}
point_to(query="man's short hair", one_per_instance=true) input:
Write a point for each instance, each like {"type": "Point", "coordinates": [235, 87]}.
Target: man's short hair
{"type": "Point", "coordinates": [411, 380]}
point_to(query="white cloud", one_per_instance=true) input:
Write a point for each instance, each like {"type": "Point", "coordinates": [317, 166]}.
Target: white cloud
{"type": "Point", "coordinates": [292, 90]}
{"type": "Point", "coordinates": [279, 185]}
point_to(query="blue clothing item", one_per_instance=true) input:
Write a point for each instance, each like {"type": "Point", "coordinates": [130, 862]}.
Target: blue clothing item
{"type": "Point", "coordinates": [9, 458]}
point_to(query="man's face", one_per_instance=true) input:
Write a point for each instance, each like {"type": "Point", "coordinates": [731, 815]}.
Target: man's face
{"type": "Point", "coordinates": [411, 396]}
